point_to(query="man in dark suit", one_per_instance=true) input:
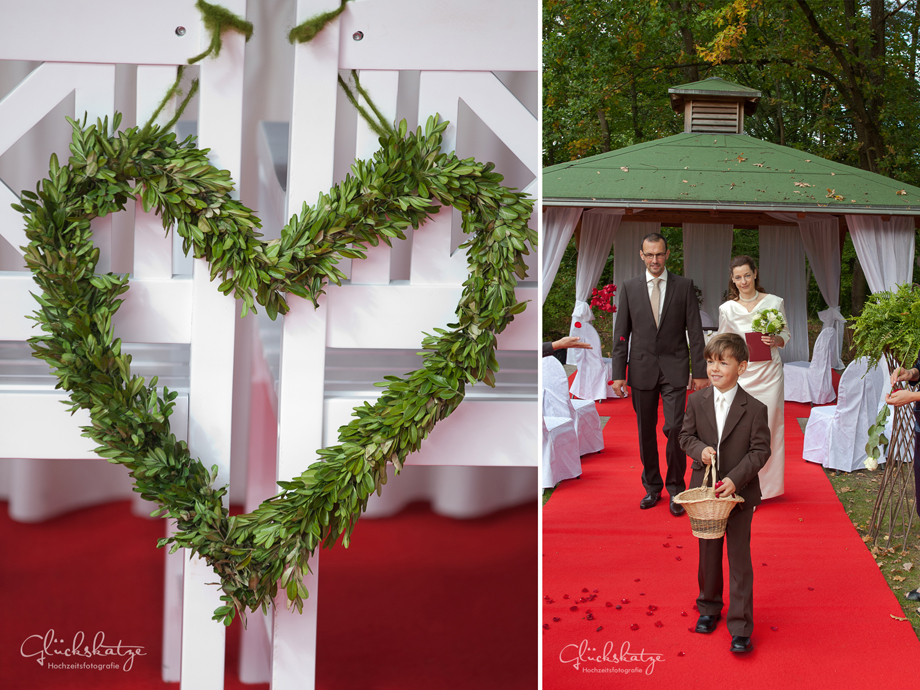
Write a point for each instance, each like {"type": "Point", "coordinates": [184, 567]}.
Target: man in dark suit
{"type": "Point", "coordinates": [660, 311]}
{"type": "Point", "coordinates": [727, 427]}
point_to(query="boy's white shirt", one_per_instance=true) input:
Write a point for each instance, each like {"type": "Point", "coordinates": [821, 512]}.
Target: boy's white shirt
{"type": "Point", "coordinates": [721, 414]}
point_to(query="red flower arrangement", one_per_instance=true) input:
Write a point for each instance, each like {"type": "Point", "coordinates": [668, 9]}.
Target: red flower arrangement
{"type": "Point", "coordinates": [603, 299]}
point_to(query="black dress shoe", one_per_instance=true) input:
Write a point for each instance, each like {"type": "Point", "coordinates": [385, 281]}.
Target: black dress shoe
{"type": "Point", "coordinates": [706, 624]}
{"type": "Point", "coordinates": [649, 501]}
{"type": "Point", "coordinates": [740, 645]}
{"type": "Point", "coordinates": [914, 595]}
{"type": "Point", "coordinates": [676, 509]}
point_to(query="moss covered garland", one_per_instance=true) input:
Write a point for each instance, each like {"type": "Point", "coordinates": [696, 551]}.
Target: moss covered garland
{"type": "Point", "coordinates": [401, 186]}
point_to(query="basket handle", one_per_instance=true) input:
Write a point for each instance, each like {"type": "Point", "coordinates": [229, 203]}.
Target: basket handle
{"type": "Point", "coordinates": [710, 466]}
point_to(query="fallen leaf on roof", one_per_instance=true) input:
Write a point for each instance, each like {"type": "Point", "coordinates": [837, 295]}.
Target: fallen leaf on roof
{"type": "Point", "coordinates": [624, 169]}
{"type": "Point", "coordinates": [808, 160]}
{"type": "Point", "coordinates": [685, 182]}
{"type": "Point", "coordinates": [831, 194]}
{"type": "Point", "coordinates": [901, 192]}
{"type": "Point", "coordinates": [598, 172]}
{"type": "Point", "coordinates": [759, 165]}
{"type": "Point", "coordinates": [833, 173]}
{"type": "Point", "coordinates": [741, 158]}
{"type": "Point", "coordinates": [803, 184]}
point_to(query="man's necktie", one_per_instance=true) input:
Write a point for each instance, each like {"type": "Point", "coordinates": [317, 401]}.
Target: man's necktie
{"type": "Point", "coordinates": [656, 298]}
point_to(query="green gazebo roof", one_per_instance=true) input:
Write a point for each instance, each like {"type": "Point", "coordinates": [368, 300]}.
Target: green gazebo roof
{"type": "Point", "coordinates": [717, 87]}
{"type": "Point", "coordinates": [731, 172]}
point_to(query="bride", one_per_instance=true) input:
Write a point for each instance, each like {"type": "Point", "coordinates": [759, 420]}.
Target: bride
{"type": "Point", "coordinates": [763, 380]}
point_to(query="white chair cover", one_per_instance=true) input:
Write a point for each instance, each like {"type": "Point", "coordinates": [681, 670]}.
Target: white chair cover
{"type": "Point", "coordinates": [560, 451]}
{"type": "Point", "coordinates": [836, 435]}
{"type": "Point", "coordinates": [811, 382]}
{"type": "Point", "coordinates": [557, 403]}
{"type": "Point", "coordinates": [591, 377]}
{"type": "Point", "coordinates": [608, 372]}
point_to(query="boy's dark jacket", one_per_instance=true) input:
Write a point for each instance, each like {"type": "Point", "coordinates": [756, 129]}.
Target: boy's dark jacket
{"type": "Point", "coordinates": [745, 441]}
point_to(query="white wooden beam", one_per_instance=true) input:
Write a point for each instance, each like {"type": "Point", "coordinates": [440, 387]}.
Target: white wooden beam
{"type": "Point", "coordinates": [446, 35]}
{"type": "Point", "coordinates": [96, 31]}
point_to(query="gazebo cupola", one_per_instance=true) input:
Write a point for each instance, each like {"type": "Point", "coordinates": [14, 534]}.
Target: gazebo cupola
{"type": "Point", "coordinates": [714, 105]}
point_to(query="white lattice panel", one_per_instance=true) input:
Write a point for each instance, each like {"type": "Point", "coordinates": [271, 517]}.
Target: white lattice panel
{"type": "Point", "coordinates": [187, 312]}
{"type": "Point", "coordinates": [415, 59]}
{"type": "Point", "coordinates": [473, 61]}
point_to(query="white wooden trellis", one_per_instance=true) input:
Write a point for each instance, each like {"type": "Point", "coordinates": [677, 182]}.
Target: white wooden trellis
{"type": "Point", "coordinates": [79, 43]}
{"type": "Point", "coordinates": [415, 59]}
{"type": "Point", "coordinates": [452, 58]}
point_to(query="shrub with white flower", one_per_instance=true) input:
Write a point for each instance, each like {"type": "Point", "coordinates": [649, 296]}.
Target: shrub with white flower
{"type": "Point", "coordinates": [769, 322]}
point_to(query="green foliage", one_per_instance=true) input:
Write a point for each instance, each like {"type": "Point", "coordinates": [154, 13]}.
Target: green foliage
{"type": "Point", "coordinates": [307, 30]}
{"type": "Point", "coordinates": [877, 439]}
{"type": "Point", "coordinates": [838, 79]}
{"type": "Point", "coordinates": [889, 326]}
{"type": "Point", "coordinates": [216, 20]}
{"type": "Point", "coordinates": [675, 239]}
{"type": "Point", "coordinates": [408, 179]}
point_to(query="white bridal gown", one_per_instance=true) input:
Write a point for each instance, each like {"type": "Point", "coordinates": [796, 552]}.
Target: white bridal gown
{"type": "Point", "coordinates": [763, 380]}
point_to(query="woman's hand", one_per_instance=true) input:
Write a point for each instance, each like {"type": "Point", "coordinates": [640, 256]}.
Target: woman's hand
{"type": "Point", "coordinates": [901, 374]}
{"type": "Point", "coordinates": [901, 397]}
{"type": "Point", "coordinates": [772, 340]}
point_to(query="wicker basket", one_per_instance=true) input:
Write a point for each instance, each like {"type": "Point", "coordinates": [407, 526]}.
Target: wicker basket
{"type": "Point", "coordinates": [708, 514]}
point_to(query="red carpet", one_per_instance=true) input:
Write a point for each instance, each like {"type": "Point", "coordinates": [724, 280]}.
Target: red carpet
{"type": "Point", "coordinates": [416, 601]}
{"type": "Point", "coordinates": [822, 610]}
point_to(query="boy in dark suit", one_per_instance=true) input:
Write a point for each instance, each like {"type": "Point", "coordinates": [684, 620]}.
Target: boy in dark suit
{"type": "Point", "coordinates": [726, 426]}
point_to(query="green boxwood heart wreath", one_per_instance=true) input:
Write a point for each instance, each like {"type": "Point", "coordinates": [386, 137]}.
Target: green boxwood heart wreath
{"type": "Point", "coordinates": [255, 553]}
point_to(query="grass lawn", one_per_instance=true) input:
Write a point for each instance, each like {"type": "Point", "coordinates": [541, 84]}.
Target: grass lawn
{"type": "Point", "coordinates": [857, 492]}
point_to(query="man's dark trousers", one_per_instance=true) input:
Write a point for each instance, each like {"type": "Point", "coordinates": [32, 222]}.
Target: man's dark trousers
{"type": "Point", "coordinates": [645, 403]}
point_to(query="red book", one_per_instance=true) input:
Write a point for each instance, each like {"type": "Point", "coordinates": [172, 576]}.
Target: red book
{"type": "Point", "coordinates": [756, 348]}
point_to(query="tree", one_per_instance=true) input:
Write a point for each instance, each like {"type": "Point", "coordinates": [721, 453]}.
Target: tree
{"type": "Point", "coordinates": [838, 76]}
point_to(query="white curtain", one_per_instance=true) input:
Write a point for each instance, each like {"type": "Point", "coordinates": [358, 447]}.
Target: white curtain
{"type": "Point", "coordinates": [707, 253]}
{"type": "Point", "coordinates": [626, 260]}
{"type": "Point", "coordinates": [782, 273]}
{"type": "Point", "coordinates": [598, 228]}
{"type": "Point", "coordinates": [821, 238]}
{"type": "Point", "coordinates": [558, 225]}
{"type": "Point", "coordinates": [885, 249]}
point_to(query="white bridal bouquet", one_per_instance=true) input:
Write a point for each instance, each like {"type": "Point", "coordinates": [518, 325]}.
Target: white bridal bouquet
{"type": "Point", "coordinates": [769, 322]}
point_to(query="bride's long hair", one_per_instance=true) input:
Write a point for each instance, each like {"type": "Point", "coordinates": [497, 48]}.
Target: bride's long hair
{"type": "Point", "coordinates": [737, 262]}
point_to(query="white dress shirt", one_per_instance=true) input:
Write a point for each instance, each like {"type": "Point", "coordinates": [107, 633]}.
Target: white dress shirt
{"type": "Point", "coordinates": [722, 413]}
{"type": "Point", "coordinates": [649, 279]}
